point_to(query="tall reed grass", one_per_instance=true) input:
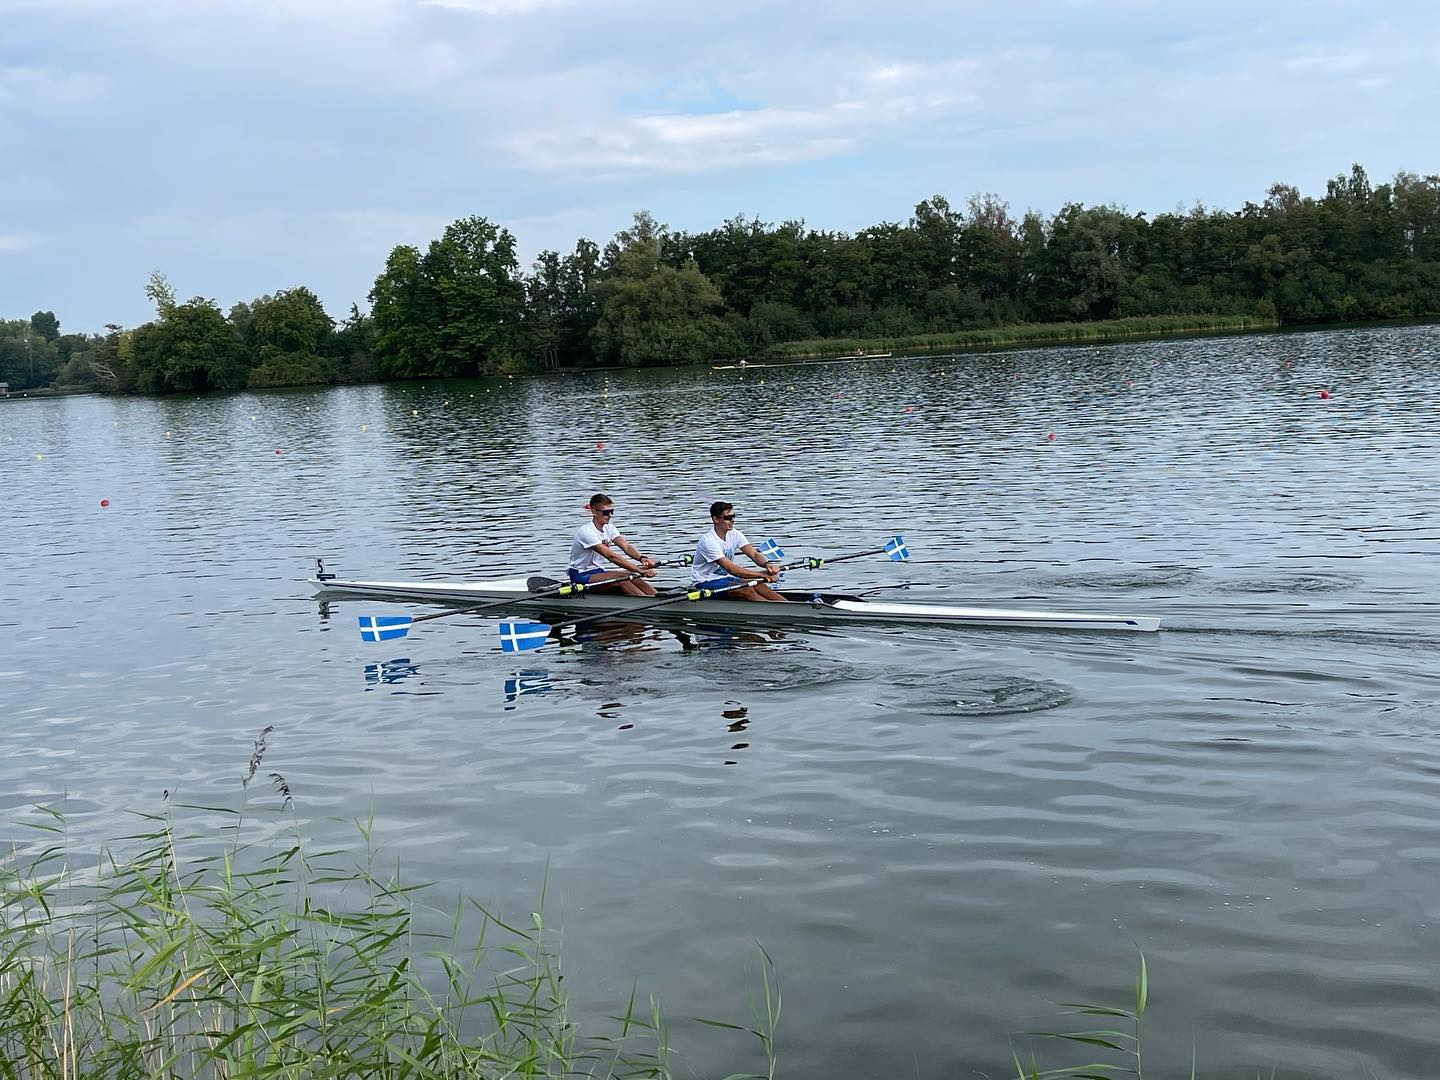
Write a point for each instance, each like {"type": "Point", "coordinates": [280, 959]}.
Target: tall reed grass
{"type": "Point", "coordinates": [1021, 334]}
{"type": "Point", "coordinates": [211, 954]}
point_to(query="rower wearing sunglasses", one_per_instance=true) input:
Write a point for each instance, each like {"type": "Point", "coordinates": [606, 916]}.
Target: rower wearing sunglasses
{"type": "Point", "coordinates": [598, 543]}
{"type": "Point", "coordinates": [715, 566]}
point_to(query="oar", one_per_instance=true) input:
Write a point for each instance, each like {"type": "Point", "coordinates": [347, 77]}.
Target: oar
{"type": "Point", "coordinates": [390, 627]}
{"type": "Point", "coordinates": [894, 547]}
{"type": "Point", "coordinates": [526, 636]}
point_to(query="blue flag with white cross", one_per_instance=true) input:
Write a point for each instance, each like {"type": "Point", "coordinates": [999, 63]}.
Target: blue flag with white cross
{"type": "Point", "coordinates": [384, 627]}
{"type": "Point", "coordinates": [771, 551]}
{"type": "Point", "coordinates": [518, 636]}
{"type": "Point", "coordinates": [896, 549]}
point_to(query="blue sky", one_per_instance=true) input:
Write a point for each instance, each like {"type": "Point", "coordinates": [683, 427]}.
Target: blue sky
{"type": "Point", "coordinates": [241, 148]}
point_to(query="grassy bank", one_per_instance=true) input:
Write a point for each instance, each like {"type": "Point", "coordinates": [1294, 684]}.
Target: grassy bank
{"type": "Point", "coordinates": [1021, 334]}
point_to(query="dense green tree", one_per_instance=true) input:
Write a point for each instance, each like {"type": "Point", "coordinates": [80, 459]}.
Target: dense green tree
{"type": "Point", "coordinates": [192, 347]}
{"type": "Point", "coordinates": [456, 310]}
{"type": "Point", "coordinates": [288, 332]}
{"type": "Point", "coordinates": [45, 324]}
{"type": "Point", "coordinates": [651, 313]}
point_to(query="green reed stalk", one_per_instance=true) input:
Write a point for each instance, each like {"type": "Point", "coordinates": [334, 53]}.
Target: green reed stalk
{"type": "Point", "coordinates": [178, 957]}
{"type": "Point", "coordinates": [1061, 333]}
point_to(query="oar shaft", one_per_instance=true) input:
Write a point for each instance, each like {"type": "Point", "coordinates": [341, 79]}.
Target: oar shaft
{"type": "Point", "coordinates": [816, 564]}
{"type": "Point", "coordinates": [566, 589]}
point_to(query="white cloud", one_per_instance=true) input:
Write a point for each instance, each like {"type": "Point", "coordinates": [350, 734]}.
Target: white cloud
{"type": "Point", "coordinates": [15, 243]}
{"type": "Point", "coordinates": [873, 97]}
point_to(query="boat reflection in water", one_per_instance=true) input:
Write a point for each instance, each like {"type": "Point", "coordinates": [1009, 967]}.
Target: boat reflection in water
{"type": "Point", "coordinates": [649, 637]}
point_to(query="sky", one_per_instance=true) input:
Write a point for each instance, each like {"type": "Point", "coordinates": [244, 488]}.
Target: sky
{"type": "Point", "coordinates": [244, 147]}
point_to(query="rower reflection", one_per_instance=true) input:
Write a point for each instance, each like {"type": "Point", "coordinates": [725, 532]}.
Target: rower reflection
{"type": "Point", "coordinates": [643, 637]}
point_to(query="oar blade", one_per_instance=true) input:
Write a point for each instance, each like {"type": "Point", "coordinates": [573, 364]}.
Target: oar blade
{"type": "Point", "coordinates": [896, 549]}
{"type": "Point", "coordinates": [516, 636]}
{"type": "Point", "coordinates": [384, 627]}
{"type": "Point", "coordinates": [771, 550]}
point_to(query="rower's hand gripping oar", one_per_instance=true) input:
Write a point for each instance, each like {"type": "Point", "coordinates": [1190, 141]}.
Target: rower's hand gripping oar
{"type": "Point", "coordinates": [390, 627]}
{"type": "Point", "coordinates": [527, 636]}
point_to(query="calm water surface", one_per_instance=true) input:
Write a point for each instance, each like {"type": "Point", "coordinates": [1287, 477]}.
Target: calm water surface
{"type": "Point", "coordinates": [935, 832]}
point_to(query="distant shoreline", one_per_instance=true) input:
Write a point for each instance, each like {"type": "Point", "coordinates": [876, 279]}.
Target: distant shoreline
{"type": "Point", "coordinates": [833, 350]}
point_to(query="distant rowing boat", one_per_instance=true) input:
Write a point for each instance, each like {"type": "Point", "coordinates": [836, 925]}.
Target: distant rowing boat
{"type": "Point", "coordinates": [812, 608]}
{"type": "Point", "coordinates": [803, 363]}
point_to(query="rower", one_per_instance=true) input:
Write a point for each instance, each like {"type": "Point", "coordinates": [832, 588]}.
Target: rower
{"type": "Point", "coordinates": [716, 568]}
{"type": "Point", "coordinates": [597, 542]}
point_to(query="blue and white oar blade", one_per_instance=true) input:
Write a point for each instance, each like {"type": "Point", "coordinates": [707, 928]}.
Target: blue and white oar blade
{"type": "Point", "coordinates": [523, 636]}
{"type": "Point", "coordinates": [896, 549]}
{"type": "Point", "coordinates": [384, 627]}
{"type": "Point", "coordinates": [771, 550]}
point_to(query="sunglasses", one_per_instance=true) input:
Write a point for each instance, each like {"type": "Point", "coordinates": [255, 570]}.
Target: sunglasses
{"type": "Point", "coordinates": [607, 513]}
{"type": "Point", "coordinates": [727, 517]}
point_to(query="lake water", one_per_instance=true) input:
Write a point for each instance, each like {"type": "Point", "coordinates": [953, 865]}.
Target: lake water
{"type": "Point", "coordinates": [935, 832]}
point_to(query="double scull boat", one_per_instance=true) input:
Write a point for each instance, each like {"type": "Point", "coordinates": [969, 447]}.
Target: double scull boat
{"type": "Point", "coordinates": [813, 607]}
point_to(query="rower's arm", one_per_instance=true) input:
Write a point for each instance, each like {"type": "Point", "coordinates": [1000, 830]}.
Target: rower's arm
{"type": "Point", "coordinates": [734, 569]}
{"type": "Point", "coordinates": [755, 557]}
{"type": "Point", "coordinates": [607, 552]}
{"type": "Point", "coordinates": [630, 549]}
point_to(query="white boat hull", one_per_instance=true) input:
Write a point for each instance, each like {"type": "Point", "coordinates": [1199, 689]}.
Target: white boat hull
{"type": "Point", "coordinates": [812, 607]}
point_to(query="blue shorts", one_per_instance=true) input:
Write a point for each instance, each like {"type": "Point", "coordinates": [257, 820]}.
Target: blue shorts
{"type": "Point", "coordinates": [716, 583]}
{"type": "Point", "coordinates": [582, 577]}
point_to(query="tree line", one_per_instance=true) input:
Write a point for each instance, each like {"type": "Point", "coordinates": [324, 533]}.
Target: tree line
{"type": "Point", "coordinates": [653, 295]}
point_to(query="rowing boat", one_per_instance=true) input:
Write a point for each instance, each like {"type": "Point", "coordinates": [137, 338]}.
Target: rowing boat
{"type": "Point", "coordinates": [812, 607]}
{"type": "Point", "coordinates": [820, 362]}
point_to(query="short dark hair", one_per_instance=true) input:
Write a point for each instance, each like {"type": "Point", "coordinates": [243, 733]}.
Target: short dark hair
{"type": "Point", "coordinates": [600, 499]}
{"type": "Point", "coordinates": [718, 508]}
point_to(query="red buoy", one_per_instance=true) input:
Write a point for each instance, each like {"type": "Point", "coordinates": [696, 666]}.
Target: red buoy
{"type": "Point", "coordinates": [1324, 394]}
{"type": "Point", "coordinates": [277, 451]}
{"type": "Point", "coordinates": [1050, 437]}
{"type": "Point", "coordinates": [599, 446]}
{"type": "Point", "coordinates": [104, 502]}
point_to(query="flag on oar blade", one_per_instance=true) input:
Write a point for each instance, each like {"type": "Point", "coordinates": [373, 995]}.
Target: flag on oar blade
{"type": "Point", "coordinates": [896, 549]}
{"type": "Point", "coordinates": [384, 627]}
{"type": "Point", "coordinates": [523, 636]}
{"type": "Point", "coordinates": [770, 551]}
